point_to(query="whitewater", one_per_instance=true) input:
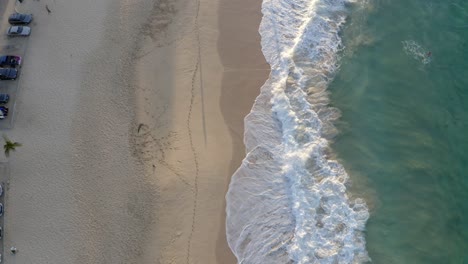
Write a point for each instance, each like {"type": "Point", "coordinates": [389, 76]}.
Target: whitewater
{"type": "Point", "coordinates": [288, 202]}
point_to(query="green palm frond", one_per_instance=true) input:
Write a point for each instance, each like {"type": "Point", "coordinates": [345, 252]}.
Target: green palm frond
{"type": "Point", "coordinates": [9, 145]}
{"type": "Point", "coordinates": [7, 150]}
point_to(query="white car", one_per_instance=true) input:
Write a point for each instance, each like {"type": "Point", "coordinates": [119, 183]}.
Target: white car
{"type": "Point", "coordinates": [18, 31]}
{"type": "Point", "coordinates": [1, 190]}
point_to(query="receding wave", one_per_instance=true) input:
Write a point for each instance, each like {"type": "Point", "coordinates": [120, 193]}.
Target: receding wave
{"type": "Point", "coordinates": [287, 203]}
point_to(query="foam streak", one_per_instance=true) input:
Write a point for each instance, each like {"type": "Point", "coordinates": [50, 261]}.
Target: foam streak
{"type": "Point", "coordinates": [287, 203]}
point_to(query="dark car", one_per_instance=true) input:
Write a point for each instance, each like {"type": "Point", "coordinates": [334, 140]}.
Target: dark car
{"type": "Point", "coordinates": [4, 98]}
{"type": "Point", "coordinates": [1, 209]}
{"type": "Point", "coordinates": [3, 113]}
{"type": "Point", "coordinates": [10, 61]}
{"type": "Point", "coordinates": [8, 74]}
{"type": "Point", "coordinates": [20, 19]}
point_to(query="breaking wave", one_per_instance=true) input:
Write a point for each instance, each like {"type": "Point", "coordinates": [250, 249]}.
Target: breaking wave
{"type": "Point", "coordinates": [287, 203]}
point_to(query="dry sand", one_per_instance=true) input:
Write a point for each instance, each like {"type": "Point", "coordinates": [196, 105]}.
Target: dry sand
{"type": "Point", "coordinates": [130, 133]}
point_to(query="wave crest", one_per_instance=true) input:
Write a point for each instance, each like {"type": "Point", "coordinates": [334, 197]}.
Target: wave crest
{"type": "Point", "coordinates": [287, 203]}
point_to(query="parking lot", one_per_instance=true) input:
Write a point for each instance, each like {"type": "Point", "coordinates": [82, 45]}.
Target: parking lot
{"type": "Point", "coordinates": [8, 46]}
{"type": "Point", "coordinates": [11, 87]}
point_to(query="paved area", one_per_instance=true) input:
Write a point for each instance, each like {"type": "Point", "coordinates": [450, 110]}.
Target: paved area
{"type": "Point", "coordinates": [4, 177]}
{"type": "Point", "coordinates": [8, 46]}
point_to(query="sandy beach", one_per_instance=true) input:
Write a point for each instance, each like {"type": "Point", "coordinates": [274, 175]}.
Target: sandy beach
{"type": "Point", "coordinates": [130, 115]}
{"type": "Point", "coordinates": [192, 137]}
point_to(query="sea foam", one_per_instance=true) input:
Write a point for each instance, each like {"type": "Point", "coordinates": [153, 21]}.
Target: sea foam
{"type": "Point", "coordinates": [287, 203]}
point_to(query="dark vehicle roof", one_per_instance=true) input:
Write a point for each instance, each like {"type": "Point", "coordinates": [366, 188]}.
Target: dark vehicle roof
{"type": "Point", "coordinates": [7, 71]}
{"type": "Point", "coordinates": [17, 16]}
{"type": "Point", "coordinates": [4, 70]}
{"type": "Point", "coordinates": [6, 58]}
{"type": "Point", "coordinates": [3, 99]}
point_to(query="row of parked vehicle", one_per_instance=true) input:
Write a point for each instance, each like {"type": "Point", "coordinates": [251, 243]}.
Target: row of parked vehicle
{"type": "Point", "coordinates": [10, 64]}
{"type": "Point", "coordinates": [18, 21]}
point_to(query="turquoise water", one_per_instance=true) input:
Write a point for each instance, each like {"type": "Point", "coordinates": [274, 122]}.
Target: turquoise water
{"type": "Point", "coordinates": [404, 127]}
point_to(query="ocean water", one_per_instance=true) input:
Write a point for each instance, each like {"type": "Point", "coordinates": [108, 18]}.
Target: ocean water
{"type": "Point", "coordinates": [355, 145]}
{"type": "Point", "coordinates": [404, 127]}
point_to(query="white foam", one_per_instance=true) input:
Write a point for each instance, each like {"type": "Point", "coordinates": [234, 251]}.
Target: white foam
{"type": "Point", "coordinates": [416, 51]}
{"type": "Point", "coordinates": [287, 203]}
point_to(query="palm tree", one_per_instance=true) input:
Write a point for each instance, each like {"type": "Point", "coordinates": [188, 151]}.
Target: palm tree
{"type": "Point", "coordinates": [9, 146]}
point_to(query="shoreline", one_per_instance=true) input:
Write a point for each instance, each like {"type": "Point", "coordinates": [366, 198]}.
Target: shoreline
{"type": "Point", "coordinates": [190, 128]}
{"type": "Point", "coordinates": [242, 78]}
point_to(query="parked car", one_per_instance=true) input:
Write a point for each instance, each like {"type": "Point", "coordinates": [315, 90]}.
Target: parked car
{"type": "Point", "coordinates": [1, 190]}
{"type": "Point", "coordinates": [21, 31]}
{"type": "Point", "coordinates": [3, 115]}
{"type": "Point", "coordinates": [8, 74]}
{"type": "Point", "coordinates": [1, 235]}
{"type": "Point", "coordinates": [4, 98]}
{"type": "Point", "coordinates": [1, 209]}
{"type": "Point", "coordinates": [3, 112]}
{"type": "Point", "coordinates": [10, 61]}
{"type": "Point", "coordinates": [20, 19]}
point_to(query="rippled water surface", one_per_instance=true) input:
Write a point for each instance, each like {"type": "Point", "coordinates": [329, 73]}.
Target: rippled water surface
{"type": "Point", "coordinates": [404, 127]}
